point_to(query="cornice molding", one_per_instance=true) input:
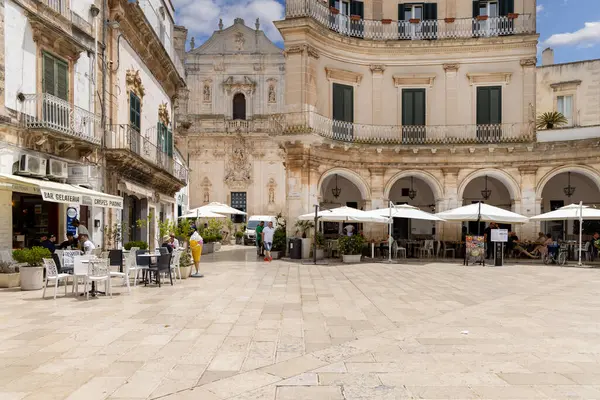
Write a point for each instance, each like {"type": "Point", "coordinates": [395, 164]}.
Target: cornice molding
{"type": "Point", "coordinates": [568, 85]}
{"type": "Point", "coordinates": [500, 78]}
{"type": "Point", "coordinates": [414, 79]}
{"type": "Point", "coordinates": [343, 75]}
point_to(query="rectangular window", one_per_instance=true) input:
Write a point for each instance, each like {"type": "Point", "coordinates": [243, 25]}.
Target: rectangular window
{"type": "Point", "coordinates": [343, 111]}
{"type": "Point", "coordinates": [564, 105]}
{"type": "Point", "coordinates": [489, 113]}
{"type": "Point", "coordinates": [134, 111]}
{"type": "Point", "coordinates": [413, 116]}
{"type": "Point", "coordinates": [238, 201]}
{"type": "Point", "coordinates": [55, 80]}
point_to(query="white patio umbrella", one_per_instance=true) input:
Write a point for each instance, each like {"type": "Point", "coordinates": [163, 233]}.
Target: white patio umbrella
{"type": "Point", "coordinates": [482, 212]}
{"type": "Point", "coordinates": [218, 208]}
{"type": "Point", "coordinates": [344, 214]}
{"type": "Point", "coordinates": [571, 212]}
{"type": "Point", "coordinates": [201, 214]}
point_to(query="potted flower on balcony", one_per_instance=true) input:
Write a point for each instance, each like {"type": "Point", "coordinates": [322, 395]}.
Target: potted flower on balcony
{"type": "Point", "coordinates": [414, 20]}
{"type": "Point", "coordinates": [334, 10]}
{"type": "Point", "coordinates": [32, 274]}
{"type": "Point", "coordinates": [386, 21]}
{"type": "Point", "coordinates": [355, 17]}
{"type": "Point", "coordinates": [449, 20]}
{"type": "Point", "coordinates": [351, 248]}
{"type": "Point", "coordinates": [513, 15]}
{"type": "Point", "coordinates": [549, 120]}
{"type": "Point", "coordinates": [482, 18]}
{"type": "Point", "coordinates": [9, 275]}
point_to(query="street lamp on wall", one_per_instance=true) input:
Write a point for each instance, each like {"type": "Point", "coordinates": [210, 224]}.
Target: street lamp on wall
{"type": "Point", "coordinates": [336, 191]}
{"type": "Point", "coordinates": [486, 193]}
{"type": "Point", "coordinates": [569, 190]}
{"type": "Point", "coordinates": [412, 193]}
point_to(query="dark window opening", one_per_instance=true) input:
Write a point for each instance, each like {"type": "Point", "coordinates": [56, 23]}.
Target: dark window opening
{"type": "Point", "coordinates": [239, 106]}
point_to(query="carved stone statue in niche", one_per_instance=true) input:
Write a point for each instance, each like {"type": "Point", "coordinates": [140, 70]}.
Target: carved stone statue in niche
{"type": "Point", "coordinates": [239, 41]}
{"type": "Point", "coordinates": [206, 195]}
{"type": "Point", "coordinates": [238, 170]}
{"type": "Point", "coordinates": [206, 185]}
{"type": "Point", "coordinates": [206, 93]}
{"type": "Point", "coordinates": [272, 94]}
{"type": "Point", "coordinates": [271, 195]}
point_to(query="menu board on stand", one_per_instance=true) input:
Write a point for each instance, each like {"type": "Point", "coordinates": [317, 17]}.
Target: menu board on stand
{"type": "Point", "coordinates": [475, 250]}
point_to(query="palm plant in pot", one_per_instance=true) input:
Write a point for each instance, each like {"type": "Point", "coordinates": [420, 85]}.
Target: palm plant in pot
{"type": "Point", "coordinates": [351, 248]}
{"type": "Point", "coordinates": [320, 242]}
{"type": "Point", "coordinates": [303, 227]}
{"type": "Point", "coordinates": [550, 120]}
{"type": "Point", "coordinates": [32, 274]}
{"type": "Point", "coordinates": [9, 275]}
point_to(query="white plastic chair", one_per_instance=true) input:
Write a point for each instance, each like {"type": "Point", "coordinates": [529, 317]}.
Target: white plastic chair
{"type": "Point", "coordinates": [125, 274]}
{"type": "Point", "coordinates": [98, 271]}
{"type": "Point", "coordinates": [396, 248]}
{"type": "Point", "coordinates": [80, 269]}
{"type": "Point", "coordinates": [175, 257]}
{"type": "Point", "coordinates": [427, 248]}
{"type": "Point", "coordinates": [585, 251]}
{"type": "Point", "coordinates": [52, 274]}
{"type": "Point", "coordinates": [446, 250]}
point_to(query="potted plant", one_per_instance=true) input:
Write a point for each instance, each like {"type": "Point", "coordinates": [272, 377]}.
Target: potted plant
{"type": "Point", "coordinates": [482, 18]}
{"type": "Point", "coordinates": [239, 237]}
{"type": "Point", "coordinates": [140, 244]}
{"type": "Point", "coordinates": [355, 17]}
{"type": "Point", "coordinates": [414, 20]}
{"type": "Point", "coordinates": [185, 264]}
{"type": "Point", "coordinates": [32, 274]}
{"type": "Point", "coordinates": [513, 16]}
{"type": "Point", "coordinates": [449, 20]}
{"type": "Point", "coordinates": [549, 120]}
{"type": "Point", "coordinates": [9, 275]}
{"type": "Point", "coordinates": [386, 21]}
{"type": "Point", "coordinates": [302, 228]}
{"type": "Point", "coordinates": [320, 241]}
{"type": "Point", "coordinates": [209, 243]}
{"type": "Point", "coordinates": [351, 248]}
{"type": "Point", "coordinates": [279, 242]}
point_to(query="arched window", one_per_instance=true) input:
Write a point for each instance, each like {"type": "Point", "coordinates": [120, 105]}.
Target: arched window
{"type": "Point", "coordinates": [239, 106]}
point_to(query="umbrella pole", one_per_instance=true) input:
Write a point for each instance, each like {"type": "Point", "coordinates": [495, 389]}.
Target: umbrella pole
{"type": "Point", "coordinates": [390, 222]}
{"type": "Point", "coordinates": [479, 220]}
{"type": "Point", "coordinates": [580, 228]}
{"type": "Point", "coordinates": [315, 238]}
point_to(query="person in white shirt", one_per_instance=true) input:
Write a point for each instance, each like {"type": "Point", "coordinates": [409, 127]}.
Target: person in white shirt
{"type": "Point", "coordinates": [267, 239]}
{"type": "Point", "coordinates": [349, 230]}
{"type": "Point", "coordinates": [174, 242]}
{"type": "Point", "coordinates": [88, 246]}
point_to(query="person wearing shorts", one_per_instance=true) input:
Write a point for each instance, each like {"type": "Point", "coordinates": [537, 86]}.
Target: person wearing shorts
{"type": "Point", "coordinates": [267, 239]}
{"type": "Point", "coordinates": [259, 243]}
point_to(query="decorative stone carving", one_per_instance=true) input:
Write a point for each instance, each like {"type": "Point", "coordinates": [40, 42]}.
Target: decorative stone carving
{"type": "Point", "coordinates": [134, 82]}
{"type": "Point", "coordinates": [207, 92]}
{"type": "Point", "coordinates": [414, 79]}
{"type": "Point", "coordinates": [529, 62]}
{"type": "Point", "coordinates": [247, 85]}
{"type": "Point", "coordinates": [206, 185]}
{"type": "Point", "coordinates": [240, 41]}
{"type": "Point", "coordinates": [163, 114]}
{"type": "Point", "coordinates": [343, 75]}
{"type": "Point", "coordinates": [271, 187]}
{"type": "Point", "coordinates": [377, 68]}
{"type": "Point", "coordinates": [492, 77]}
{"type": "Point", "coordinates": [451, 67]}
{"type": "Point", "coordinates": [219, 67]}
{"type": "Point", "coordinates": [272, 91]}
{"type": "Point", "coordinates": [311, 51]}
{"type": "Point", "coordinates": [238, 171]}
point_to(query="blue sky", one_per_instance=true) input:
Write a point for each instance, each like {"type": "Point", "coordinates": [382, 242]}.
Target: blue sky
{"type": "Point", "coordinates": [571, 27]}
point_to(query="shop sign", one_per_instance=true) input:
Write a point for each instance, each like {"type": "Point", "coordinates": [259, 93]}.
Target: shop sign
{"type": "Point", "coordinates": [57, 197]}
{"type": "Point", "coordinates": [71, 215]}
{"type": "Point", "coordinates": [108, 203]}
{"type": "Point", "coordinates": [16, 187]}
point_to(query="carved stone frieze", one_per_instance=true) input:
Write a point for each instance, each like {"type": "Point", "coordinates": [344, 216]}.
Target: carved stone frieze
{"type": "Point", "coordinates": [247, 85]}
{"type": "Point", "coordinates": [134, 82]}
{"type": "Point", "coordinates": [238, 172]}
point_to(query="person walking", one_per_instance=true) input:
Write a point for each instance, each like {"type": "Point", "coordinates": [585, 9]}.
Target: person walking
{"type": "Point", "coordinates": [260, 250]}
{"type": "Point", "coordinates": [267, 238]}
{"type": "Point", "coordinates": [488, 239]}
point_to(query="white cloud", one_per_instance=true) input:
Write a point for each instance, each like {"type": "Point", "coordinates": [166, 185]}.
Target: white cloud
{"type": "Point", "coordinates": [539, 8]}
{"type": "Point", "coordinates": [201, 17]}
{"type": "Point", "coordinates": [587, 36]}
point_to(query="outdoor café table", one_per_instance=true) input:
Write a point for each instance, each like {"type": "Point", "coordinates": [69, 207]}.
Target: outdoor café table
{"type": "Point", "coordinates": [93, 291]}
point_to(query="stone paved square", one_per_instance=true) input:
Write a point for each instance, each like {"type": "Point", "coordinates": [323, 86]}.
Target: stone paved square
{"type": "Point", "coordinates": [252, 330]}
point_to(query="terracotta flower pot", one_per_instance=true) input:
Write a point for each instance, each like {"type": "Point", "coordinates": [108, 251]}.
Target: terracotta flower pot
{"type": "Point", "coordinates": [334, 10]}
{"type": "Point", "coordinates": [482, 18]}
{"type": "Point", "coordinates": [513, 16]}
{"type": "Point", "coordinates": [449, 20]}
{"type": "Point", "coordinates": [414, 20]}
{"type": "Point", "coordinates": [355, 17]}
{"type": "Point", "coordinates": [386, 21]}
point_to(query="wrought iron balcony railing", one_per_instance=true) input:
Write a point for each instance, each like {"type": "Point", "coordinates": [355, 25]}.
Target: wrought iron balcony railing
{"type": "Point", "coordinates": [348, 132]}
{"type": "Point", "coordinates": [448, 28]}
{"type": "Point", "coordinates": [126, 137]}
{"type": "Point", "coordinates": [44, 111]}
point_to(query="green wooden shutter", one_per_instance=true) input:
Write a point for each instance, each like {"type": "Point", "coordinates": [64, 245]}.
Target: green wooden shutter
{"type": "Point", "coordinates": [134, 111]}
{"type": "Point", "coordinates": [506, 7]}
{"type": "Point", "coordinates": [357, 8]}
{"type": "Point", "coordinates": [430, 11]}
{"type": "Point", "coordinates": [407, 107]}
{"type": "Point", "coordinates": [331, 3]}
{"type": "Point", "coordinates": [400, 12]}
{"type": "Point", "coordinates": [413, 106]}
{"type": "Point", "coordinates": [338, 102]}
{"type": "Point", "coordinates": [48, 83]}
{"type": "Point", "coordinates": [496, 105]}
{"type": "Point", "coordinates": [483, 106]}
{"type": "Point", "coordinates": [348, 104]}
{"type": "Point", "coordinates": [170, 143]}
{"type": "Point", "coordinates": [476, 8]}
{"type": "Point", "coordinates": [62, 80]}
{"type": "Point", "coordinates": [419, 102]}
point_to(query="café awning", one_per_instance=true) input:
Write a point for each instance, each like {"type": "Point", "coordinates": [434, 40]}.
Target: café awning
{"type": "Point", "coordinates": [57, 192]}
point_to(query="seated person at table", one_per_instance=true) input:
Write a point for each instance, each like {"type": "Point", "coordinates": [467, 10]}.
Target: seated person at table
{"type": "Point", "coordinates": [542, 249]}
{"type": "Point", "coordinates": [87, 244]}
{"type": "Point", "coordinates": [167, 243]}
{"type": "Point", "coordinates": [515, 247]}
{"type": "Point", "coordinates": [541, 238]}
{"type": "Point", "coordinates": [48, 243]}
{"type": "Point", "coordinates": [71, 242]}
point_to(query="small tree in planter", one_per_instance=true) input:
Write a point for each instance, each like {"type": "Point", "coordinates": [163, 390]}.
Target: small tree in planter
{"type": "Point", "coordinates": [351, 248]}
{"type": "Point", "coordinates": [279, 242]}
{"type": "Point", "coordinates": [9, 275]}
{"type": "Point", "coordinates": [239, 237]}
{"type": "Point", "coordinates": [320, 242]}
{"type": "Point", "coordinates": [549, 120]}
{"type": "Point", "coordinates": [32, 274]}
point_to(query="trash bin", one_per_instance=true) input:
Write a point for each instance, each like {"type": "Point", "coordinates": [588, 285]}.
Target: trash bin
{"type": "Point", "coordinates": [295, 248]}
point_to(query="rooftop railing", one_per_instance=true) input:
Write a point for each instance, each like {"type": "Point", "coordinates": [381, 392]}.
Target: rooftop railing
{"type": "Point", "coordinates": [45, 111]}
{"type": "Point", "coordinates": [414, 29]}
{"type": "Point", "coordinates": [349, 132]}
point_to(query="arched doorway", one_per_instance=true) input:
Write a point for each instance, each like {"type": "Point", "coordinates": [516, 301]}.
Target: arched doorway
{"type": "Point", "coordinates": [564, 188]}
{"type": "Point", "coordinates": [489, 190]}
{"type": "Point", "coordinates": [337, 190]}
{"type": "Point", "coordinates": [416, 192]}
{"type": "Point", "coordinates": [239, 106]}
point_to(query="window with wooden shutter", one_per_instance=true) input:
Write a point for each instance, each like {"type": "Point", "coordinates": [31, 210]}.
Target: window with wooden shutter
{"type": "Point", "coordinates": [134, 111]}
{"type": "Point", "coordinates": [413, 115]}
{"type": "Point", "coordinates": [343, 111]}
{"type": "Point", "coordinates": [55, 79]}
{"type": "Point", "coordinates": [489, 113]}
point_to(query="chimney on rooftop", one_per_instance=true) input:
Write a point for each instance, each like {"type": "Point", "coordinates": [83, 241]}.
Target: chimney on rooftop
{"type": "Point", "coordinates": [548, 57]}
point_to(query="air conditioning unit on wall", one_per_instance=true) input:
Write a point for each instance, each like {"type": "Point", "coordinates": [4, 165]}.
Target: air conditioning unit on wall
{"type": "Point", "coordinates": [85, 175]}
{"type": "Point", "coordinates": [30, 166]}
{"type": "Point", "coordinates": [57, 170]}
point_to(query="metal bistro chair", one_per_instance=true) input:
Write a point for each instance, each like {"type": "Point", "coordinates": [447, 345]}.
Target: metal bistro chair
{"type": "Point", "coordinates": [163, 265]}
{"type": "Point", "coordinates": [175, 258]}
{"type": "Point", "coordinates": [52, 274]}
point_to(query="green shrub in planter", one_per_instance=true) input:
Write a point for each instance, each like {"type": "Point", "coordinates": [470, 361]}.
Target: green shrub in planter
{"type": "Point", "coordinates": [33, 257]}
{"type": "Point", "coordinates": [239, 234]}
{"type": "Point", "coordinates": [320, 240]}
{"type": "Point", "coordinates": [279, 240]}
{"type": "Point", "coordinates": [351, 245]}
{"type": "Point", "coordinates": [140, 244]}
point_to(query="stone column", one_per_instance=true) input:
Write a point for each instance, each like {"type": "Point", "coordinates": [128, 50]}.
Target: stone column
{"type": "Point", "coordinates": [530, 204]}
{"type": "Point", "coordinates": [452, 103]}
{"type": "Point", "coordinates": [377, 73]}
{"type": "Point", "coordinates": [529, 90]}
{"type": "Point", "coordinates": [377, 201]}
{"type": "Point", "coordinates": [300, 78]}
{"type": "Point", "coordinates": [450, 230]}
{"type": "Point", "coordinates": [2, 60]}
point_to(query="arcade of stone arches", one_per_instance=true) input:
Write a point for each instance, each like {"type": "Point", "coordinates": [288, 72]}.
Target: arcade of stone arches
{"type": "Point", "coordinates": [529, 193]}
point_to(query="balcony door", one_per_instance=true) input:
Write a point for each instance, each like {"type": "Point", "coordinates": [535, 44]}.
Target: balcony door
{"type": "Point", "coordinates": [135, 114]}
{"type": "Point", "coordinates": [489, 114]}
{"type": "Point", "coordinates": [56, 111]}
{"type": "Point", "coordinates": [239, 106]}
{"type": "Point", "coordinates": [343, 112]}
{"type": "Point", "coordinates": [413, 116]}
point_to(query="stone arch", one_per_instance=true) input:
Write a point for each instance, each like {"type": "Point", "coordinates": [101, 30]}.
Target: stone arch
{"type": "Point", "coordinates": [352, 176]}
{"type": "Point", "coordinates": [436, 187]}
{"type": "Point", "coordinates": [507, 180]}
{"type": "Point", "coordinates": [588, 172]}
